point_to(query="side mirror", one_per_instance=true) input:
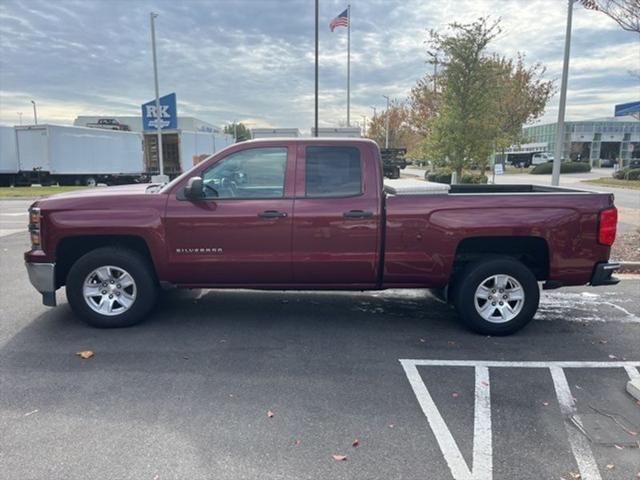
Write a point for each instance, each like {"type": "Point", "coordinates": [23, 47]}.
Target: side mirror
{"type": "Point", "coordinates": [194, 189]}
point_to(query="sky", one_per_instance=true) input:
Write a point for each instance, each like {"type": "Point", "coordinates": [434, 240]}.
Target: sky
{"type": "Point", "coordinates": [253, 60]}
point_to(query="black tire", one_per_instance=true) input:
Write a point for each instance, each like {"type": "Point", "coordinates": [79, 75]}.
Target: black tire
{"type": "Point", "coordinates": [146, 286]}
{"type": "Point", "coordinates": [474, 275]}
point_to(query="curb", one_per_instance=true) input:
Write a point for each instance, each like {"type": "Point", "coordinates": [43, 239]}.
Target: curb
{"type": "Point", "coordinates": [629, 267]}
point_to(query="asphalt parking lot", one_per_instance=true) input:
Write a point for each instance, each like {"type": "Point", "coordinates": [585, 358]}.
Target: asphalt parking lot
{"type": "Point", "coordinates": [186, 394]}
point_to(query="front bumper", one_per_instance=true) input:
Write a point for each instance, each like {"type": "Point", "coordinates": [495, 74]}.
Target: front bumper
{"type": "Point", "coordinates": [603, 274]}
{"type": "Point", "coordinates": [43, 277]}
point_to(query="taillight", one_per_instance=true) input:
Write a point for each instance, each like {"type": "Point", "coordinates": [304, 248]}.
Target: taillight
{"type": "Point", "coordinates": [34, 228]}
{"type": "Point", "coordinates": [608, 224]}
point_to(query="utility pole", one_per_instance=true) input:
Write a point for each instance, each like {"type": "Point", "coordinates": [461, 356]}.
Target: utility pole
{"type": "Point", "coordinates": [161, 178]}
{"type": "Point", "coordinates": [386, 124]}
{"type": "Point", "coordinates": [555, 175]}
{"type": "Point", "coordinates": [20, 117]}
{"type": "Point", "coordinates": [35, 113]}
{"type": "Point", "coordinates": [374, 111]}
{"type": "Point", "coordinates": [315, 123]}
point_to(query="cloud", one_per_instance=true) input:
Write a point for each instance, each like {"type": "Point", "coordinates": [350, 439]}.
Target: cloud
{"type": "Point", "coordinates": [254, 60]}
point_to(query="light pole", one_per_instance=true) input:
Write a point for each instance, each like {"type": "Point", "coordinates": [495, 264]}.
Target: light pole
{"type": "Point", "coordinates": [386, 124]}
{"type": "Point", "coordinates": [35, 112]}
{"type": "Point", "coordinates": [315, 112]}
{"type": "Point", "coordinates": [20, 117]}
{"type": "Point", "coordinates": [161, 178]}
{"type": "Point", "coordinates": [374, 111]}
{"type": "Point", "coordinates": [364, 124]}
{"type": "Point", "coordinates": [555, 173]}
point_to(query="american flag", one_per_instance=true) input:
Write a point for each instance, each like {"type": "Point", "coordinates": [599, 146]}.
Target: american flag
{"type": "Point", "coordinates": [341, 20]}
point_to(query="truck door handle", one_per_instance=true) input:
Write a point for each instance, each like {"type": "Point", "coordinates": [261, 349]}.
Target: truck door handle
{"type": "Point", "coordinates": [272, 214]}
{"type": "Point", "coordinates": [357, 214]}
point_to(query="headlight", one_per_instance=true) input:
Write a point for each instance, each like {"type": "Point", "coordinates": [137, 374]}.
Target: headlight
{"type": "Point", "coordinates": [34, 228]}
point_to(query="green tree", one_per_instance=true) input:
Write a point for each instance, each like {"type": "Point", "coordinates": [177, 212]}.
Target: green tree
{"type": "Point", "coordinates": [239, 131]}
{"type": "Point", "coordinates": [462, 132]}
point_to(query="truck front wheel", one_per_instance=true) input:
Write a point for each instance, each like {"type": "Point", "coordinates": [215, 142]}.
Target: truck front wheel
{"type": "Point", "coordinates": [111, 287]}
{"type": "Point", "coordinates": [497, 296]}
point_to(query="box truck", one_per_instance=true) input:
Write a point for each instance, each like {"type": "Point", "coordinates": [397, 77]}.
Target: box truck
{"type": "Point", "coordinates": [8, 155]}
{"type": "Point", "coordinates": [66, 155]}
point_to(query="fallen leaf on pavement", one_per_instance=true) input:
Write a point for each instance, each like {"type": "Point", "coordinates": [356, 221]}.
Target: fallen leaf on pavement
{"type": "Point", "coordinates": [575, 475]}
{"type": "Point", "coordinates": [612, 357]}
{"type": "Point", "coordinates": [270, 414]}
{"type": "Point", "coordinates": [85, 354]}
{"type": "Point", "coordinates": [355, 443]}
{"type": "Point", "coordinates": [603, 341]}
{"type": "Point", "coordinates": [611, 466]}
{"type": "Point", "coordinates": [339, 458]}
{"type": "Point", "coordinates": [391, 425]}
{"type": "Point", "coordinates": [422, 340]}
{"type": "Point", "coordinates": [486, 384]}
{"type": "Point", "coordinates": [31, 412]}
{"type": "Point", "coordinates": [455, 394]}
{"type": "Point", "coordinates": [618, 447]}
{"type": "Point", "coordinates": [546, 404]}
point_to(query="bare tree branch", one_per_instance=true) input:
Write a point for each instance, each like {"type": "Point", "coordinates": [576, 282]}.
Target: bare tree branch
{"type": "Point", "coordinates": [625, 12]}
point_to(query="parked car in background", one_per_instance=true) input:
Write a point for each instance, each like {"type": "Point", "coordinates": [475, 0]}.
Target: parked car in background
{"type": "Point", "coordinates": [538, 158]}
{"type": "Point", "coordinates": [608, 162]}
{"type": "Point", "coordinates": [109, 124]}
{"type": "Point", "coordinates": [313, 214]}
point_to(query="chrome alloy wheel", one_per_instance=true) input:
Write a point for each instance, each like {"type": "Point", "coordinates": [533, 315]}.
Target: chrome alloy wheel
{"type": "Point", "coordinates": [109, 290]}
{"type": "Point", "coordinates": [499, 298]}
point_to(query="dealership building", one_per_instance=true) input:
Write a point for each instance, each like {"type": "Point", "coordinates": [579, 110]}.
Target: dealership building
{"type": "Point", "coordinates": [610, 138]}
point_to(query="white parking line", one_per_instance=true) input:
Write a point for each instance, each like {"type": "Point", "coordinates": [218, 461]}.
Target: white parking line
{"type": "Point", "coordinates": [482, 463]}
{"type": "Point", "coordinates": [579, 443]}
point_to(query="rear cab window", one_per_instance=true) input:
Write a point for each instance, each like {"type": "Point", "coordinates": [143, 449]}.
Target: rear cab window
{"type": "Point", "coordinates": [333, 172]}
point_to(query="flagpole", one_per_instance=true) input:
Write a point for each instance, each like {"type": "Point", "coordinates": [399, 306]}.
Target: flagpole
{"type": "Point", "coordinates": [348, 65]}
{"type": "Point", "coordinates": [315, 123]}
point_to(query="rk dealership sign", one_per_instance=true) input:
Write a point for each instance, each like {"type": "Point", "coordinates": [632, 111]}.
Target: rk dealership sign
{"type": "Point", "coordinates": [168, 113]}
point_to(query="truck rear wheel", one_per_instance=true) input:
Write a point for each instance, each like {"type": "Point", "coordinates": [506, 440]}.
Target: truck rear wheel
{"type": "Point", "coordinates": [497, 296]}
{"type": "Point", "coordinates": [111, 287]}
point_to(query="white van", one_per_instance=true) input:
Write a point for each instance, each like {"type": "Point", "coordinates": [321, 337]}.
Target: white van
{"type": "Point", "coordinates": [539, 158]}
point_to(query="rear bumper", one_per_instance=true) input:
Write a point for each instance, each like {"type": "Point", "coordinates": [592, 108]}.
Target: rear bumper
{"type": "Point", "coordinates": [603, 274]}
{"type": "Point", "coordinates": [43, 277]}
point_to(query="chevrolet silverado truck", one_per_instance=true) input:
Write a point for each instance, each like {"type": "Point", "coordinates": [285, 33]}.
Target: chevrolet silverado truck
{"type": "Point", "coordinates": [313, 214]}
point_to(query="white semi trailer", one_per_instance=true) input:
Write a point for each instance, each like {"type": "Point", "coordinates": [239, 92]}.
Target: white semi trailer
{"type": "Point", "coordinates": [8, 155]}
{"type": "Point", "coordinates": [48, 154]}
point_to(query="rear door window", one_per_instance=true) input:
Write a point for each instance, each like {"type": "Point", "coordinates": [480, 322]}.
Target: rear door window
{"type": "Point", "coordinates": [333, 172]}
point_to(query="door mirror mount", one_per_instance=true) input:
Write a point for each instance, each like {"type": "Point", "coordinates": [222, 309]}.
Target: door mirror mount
{"type": "Point", "coordinates": [194, 189]}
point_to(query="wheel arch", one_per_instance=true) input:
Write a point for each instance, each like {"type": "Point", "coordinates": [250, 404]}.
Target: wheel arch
{"type": "Point", "coordinates": [70, 249]}
{"type": "Point", "coordinates": [531, 251]}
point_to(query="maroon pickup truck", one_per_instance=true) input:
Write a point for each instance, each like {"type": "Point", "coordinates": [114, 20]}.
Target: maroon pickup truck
{"type": "Point", "coordinates": [310, 214]}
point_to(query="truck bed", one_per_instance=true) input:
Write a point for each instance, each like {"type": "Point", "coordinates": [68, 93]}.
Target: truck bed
{"type": "Point", "coordinates": [419, 187]}
{"type": "Point", "coordinates": [512, 188]}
